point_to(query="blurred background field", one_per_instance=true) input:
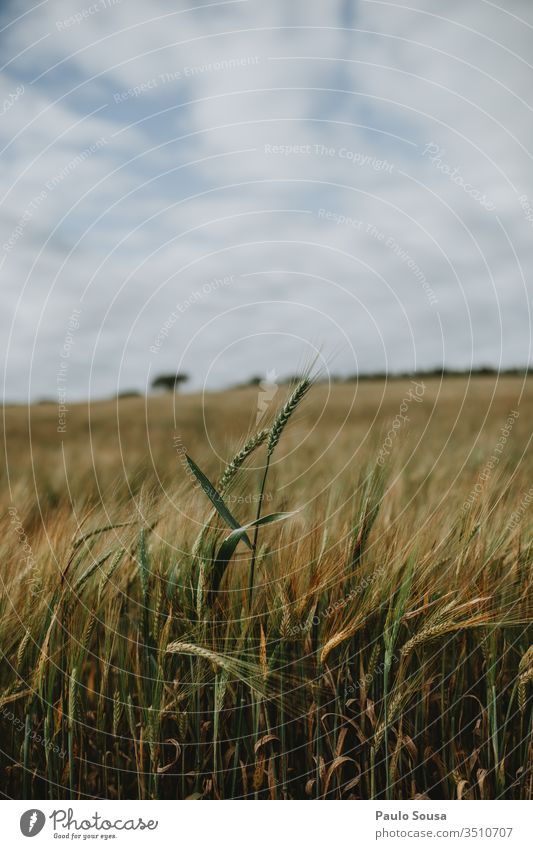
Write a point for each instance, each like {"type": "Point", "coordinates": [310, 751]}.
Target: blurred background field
{"type": "Point", "coordinates": [113, 448]}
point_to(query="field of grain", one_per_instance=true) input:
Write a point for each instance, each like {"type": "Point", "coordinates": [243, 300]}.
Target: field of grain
{"type": "Point", "coordinates": [372, 640]}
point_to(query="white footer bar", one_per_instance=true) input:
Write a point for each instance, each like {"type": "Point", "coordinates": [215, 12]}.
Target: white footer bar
{"type": "Point", "coordinates": [268, 825]}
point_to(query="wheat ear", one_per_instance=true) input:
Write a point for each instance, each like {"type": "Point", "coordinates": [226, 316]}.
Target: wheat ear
{"type": "Point", "coordinates": [286, 412]}
{"type": "Point", "coordinates": [22, 647]}
{"type": "Point", "coordinates": [117, 712]}
{"type": "Point", "coordinates": [72, 699]}
{"type": "Point", "coordinates": [233, 467]}
{"type": "Point", "coordinates": [426, 634]}
{"type": "Point", "coordinates": [180, 647]}
{"type": "Point", "coordinates": [525, 673]}
{"type": "Point", "coordinates": [338, 638]}
{"type": "Point", "coordinates": [394, 711]}
{"type": "Point", "coordinates": [249, 673]}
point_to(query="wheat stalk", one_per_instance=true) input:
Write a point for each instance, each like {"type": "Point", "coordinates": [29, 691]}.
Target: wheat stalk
{"type": "Point", "coordinates": [274, 436]}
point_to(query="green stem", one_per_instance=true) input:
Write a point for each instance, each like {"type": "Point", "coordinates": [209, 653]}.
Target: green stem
{"type": "Point", "coordinates": [256, 532]}
{"type": "Point", "coordinates": [283, 739]}
{"type": "Point", "coordinates": [386, 722]}
{"type": "Point", "coordinates": [318, 742]}
{"type": "Point", "coordinates": [26, 765]}
{"type": "Point", "coordinates": [239, 711]}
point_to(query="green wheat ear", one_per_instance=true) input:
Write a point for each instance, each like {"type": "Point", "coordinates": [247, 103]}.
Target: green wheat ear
{"type": "Point", "coordinates": [286, 412]}
{"type": "Point", "coordinates": [233, 467]}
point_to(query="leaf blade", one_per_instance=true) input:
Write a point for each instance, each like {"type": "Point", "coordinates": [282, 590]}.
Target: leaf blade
{"type": "Point", "coordinates": [227, 549]}
{"type": "Point", "coordinates": [216, 499]}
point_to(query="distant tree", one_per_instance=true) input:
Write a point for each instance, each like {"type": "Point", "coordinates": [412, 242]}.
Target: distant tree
{"type": "Point", "coordinates": [169, 382]}
{"type": "Point", "coordinates": [253, 381]}
{"type": "Point", "coordinates": [128, 393]}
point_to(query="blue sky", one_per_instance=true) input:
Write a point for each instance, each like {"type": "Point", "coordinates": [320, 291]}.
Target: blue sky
{"type": "Point", "coordinates": [223, 188]}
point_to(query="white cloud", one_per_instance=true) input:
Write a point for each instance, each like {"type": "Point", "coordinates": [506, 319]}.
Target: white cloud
{"type": "Point", "coordinates": [183, 189]}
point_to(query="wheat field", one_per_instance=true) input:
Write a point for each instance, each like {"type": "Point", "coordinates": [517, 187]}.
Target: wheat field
{"type": "Point", "coordinates": [333, 602]}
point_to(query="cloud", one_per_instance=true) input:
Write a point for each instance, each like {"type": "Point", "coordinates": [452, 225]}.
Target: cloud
{"type": "Point", "coordinates": [289, 146]}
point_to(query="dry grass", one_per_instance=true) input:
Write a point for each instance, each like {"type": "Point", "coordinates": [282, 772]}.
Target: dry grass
{"type": "Point", "coordinates": [385, 650]}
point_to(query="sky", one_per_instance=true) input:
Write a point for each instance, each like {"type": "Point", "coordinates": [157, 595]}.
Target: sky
{"type": "Point", "coordinates": [227, 188]}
